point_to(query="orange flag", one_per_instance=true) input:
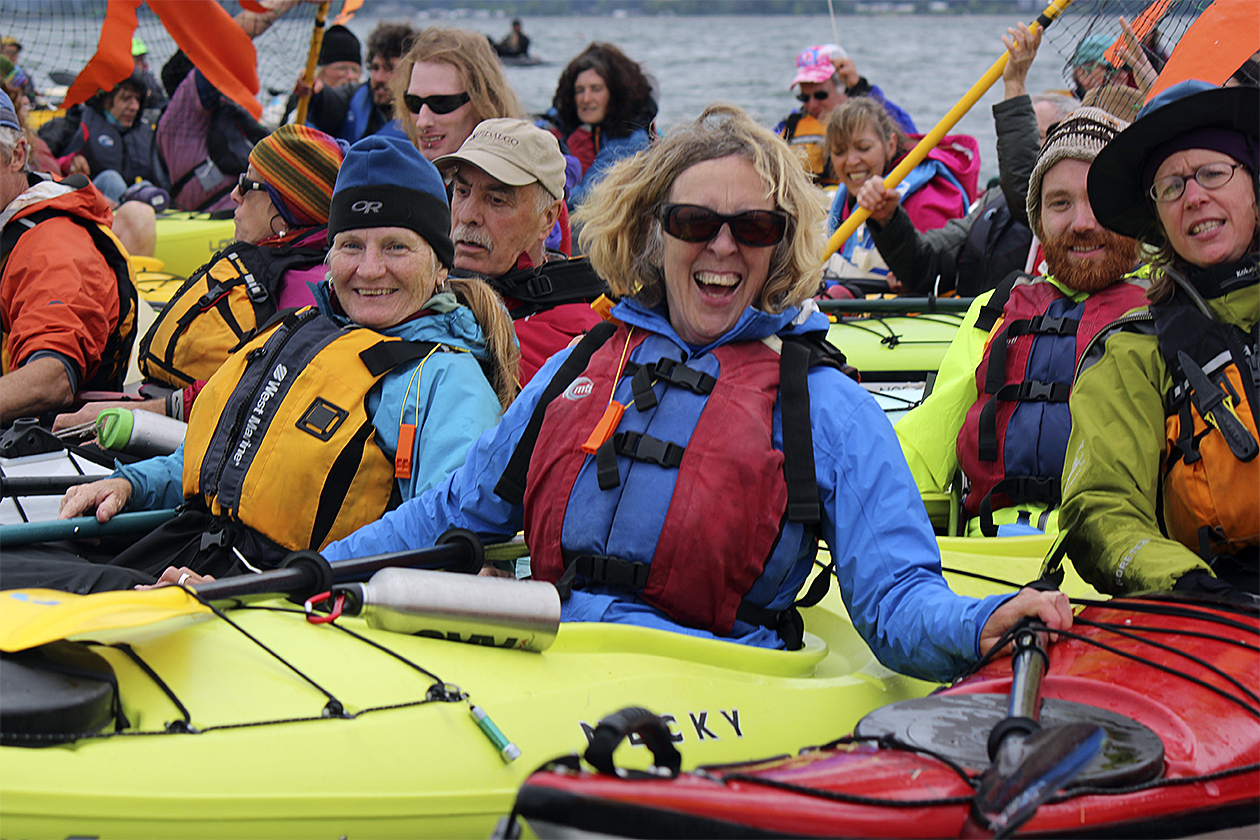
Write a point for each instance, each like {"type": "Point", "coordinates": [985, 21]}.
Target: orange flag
{"type": "Point", "coordinates": [348, 8]}
{"type": "Point", "coordinates": [112, 62]}
{"type": "Point", "coordinates": [216, 45]}
{"type": "Point", "coordinates": [1215, 45]}
{"type": "Point", "coordinates": [202, 28]}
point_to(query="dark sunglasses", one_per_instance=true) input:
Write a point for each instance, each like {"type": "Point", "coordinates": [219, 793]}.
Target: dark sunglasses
{"type": "Point", "coordinates": [246, 184]}
{"type": "Point", "coordinates": [441, 103]}
{"type": "Point", "coordinates": [820, 95]}
{"type": "Point", "coordinates": [692, 223]}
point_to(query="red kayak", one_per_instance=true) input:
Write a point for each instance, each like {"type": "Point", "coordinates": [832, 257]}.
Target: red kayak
{"type": "Point", "coordinates": [1172, 682]}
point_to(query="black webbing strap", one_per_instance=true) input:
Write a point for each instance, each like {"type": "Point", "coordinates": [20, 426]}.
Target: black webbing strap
{"type": "Point", "coordinates": [787, 623]}
{"type": "Point", "coordinates": [635, 445]}
{"type": "Point", "coordinates": [1247, 360]}
{"type": "Point", "coordinates": [798, 437]}
{"type": "Point", "coordinates": [1019, 489]}
{"type": "Point", "coordinates": [993, 308]}
{"type": "Point", "coordinates": [671, 372]}
{"type": "Point", "coordinates": [1028, 391]}
{"type": "Point", "coordinates": [386, 355]}
{"type": "Point", "coordinates": [1039, 325]}
{"type": "Point", "coordinates": [511, 485]}
{"type": "Point", "coordinates": [602, 568]}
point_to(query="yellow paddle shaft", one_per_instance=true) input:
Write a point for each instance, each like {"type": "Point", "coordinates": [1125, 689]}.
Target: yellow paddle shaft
{"type": "Point", "coordinates": [312, 58]}
{"type": "Point", "coordinates": [929, 141]}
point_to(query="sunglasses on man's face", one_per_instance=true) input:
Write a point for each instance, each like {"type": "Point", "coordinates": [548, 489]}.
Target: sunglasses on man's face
{"type": "Point", "coordinates": [442, 103]}
{"type": "Point", "coordinates": [692, 223]}
{"type": "Point", "coordinates": [820, 95]}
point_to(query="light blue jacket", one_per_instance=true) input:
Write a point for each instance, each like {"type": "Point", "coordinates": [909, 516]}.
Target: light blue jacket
{"type": "Point", "coordinates": [450, 403]}
{"type": "Point", "coordinates": [886, 555]}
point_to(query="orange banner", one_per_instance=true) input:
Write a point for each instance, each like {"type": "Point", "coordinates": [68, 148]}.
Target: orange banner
{"type": "Point", "coordinates": [203, 30]}
{"type": "Point", "coordinates": [112, 62]}
{"type": "Point", "coordinates": [1215, 45]}
{"type": "Point", "coordinates": [348, 8]}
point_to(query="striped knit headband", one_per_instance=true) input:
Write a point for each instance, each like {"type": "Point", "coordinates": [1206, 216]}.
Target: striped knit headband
{"type": "Point", "coordinates": [298, 165]}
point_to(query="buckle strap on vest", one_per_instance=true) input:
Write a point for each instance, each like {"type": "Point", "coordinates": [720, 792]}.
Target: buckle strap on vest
{"type": "Point", "coordinates": [386, 355]}
{"type": "Point", "coordinates": [1020, 488]}
{"type": "Point", "coordinates": [1029, 391]}
{"type": "Point", "coordinates": [787, 623]}
{"type": "Point", "coordinates": [614, 571]}
{"type": "Point", "coordinates": [670, 371]}
{"type": "Point", "coordinates": [643, 447]}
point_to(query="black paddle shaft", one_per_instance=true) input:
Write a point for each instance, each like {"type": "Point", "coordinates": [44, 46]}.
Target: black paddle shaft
{"type": "Point", "coordinates": [42, 485]}
{"type": "Point", "coordinates": [306, 573]}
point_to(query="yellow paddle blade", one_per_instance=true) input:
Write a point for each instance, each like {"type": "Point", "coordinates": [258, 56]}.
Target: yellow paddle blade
{"type": "Point", "coordinates": [32, 617]}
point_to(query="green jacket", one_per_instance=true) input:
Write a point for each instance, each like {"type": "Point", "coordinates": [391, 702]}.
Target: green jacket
{"type": "Point", "coordinates": [1112, 475]}
{"type": "Point", "coordinates": [929, 433]}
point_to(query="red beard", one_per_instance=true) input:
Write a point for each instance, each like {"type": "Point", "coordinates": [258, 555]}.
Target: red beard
{"type": "Point", "coordinates": [1119, 258]}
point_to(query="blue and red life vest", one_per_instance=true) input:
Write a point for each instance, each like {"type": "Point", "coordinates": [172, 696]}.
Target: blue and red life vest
{"type": "Point", "coordinates": [661, 509]}
{"type": "Point", "coordinates": [1012, 443]}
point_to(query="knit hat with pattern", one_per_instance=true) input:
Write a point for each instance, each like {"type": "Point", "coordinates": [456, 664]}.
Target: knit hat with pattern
{"type": "Point", "coordinates": [1079, 137]}
{"type": "Point", "coordinates": [298, 165]}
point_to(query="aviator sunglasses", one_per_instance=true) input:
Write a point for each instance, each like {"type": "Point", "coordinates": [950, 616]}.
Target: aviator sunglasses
{"type": "Point", "coordinates": [820, 95]}
{"type": "Point", "coordinates": [440, 103]}
{"type": "Point", "coordinates": [692, 223]}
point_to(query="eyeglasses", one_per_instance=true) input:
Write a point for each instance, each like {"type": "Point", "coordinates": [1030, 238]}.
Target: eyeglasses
{"type": "Point", "coordinates": [1211, 176]}
{"type": "Point", "coordinates": [441, 103]}
{"type": "Point", "coordinates": [692, 223]}
{"type": "Point", "coordinates": [245, 184]}
{"type": "Point", "coordinates": [820, 95]}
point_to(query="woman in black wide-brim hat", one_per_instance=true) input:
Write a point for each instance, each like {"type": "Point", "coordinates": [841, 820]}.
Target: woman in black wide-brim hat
{"type": "Point", "coordinates": [1161, 487]}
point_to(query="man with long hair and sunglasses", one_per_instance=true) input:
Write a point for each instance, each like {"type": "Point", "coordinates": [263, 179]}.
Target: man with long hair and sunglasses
{"type": "Point", "coordinates": [507, 192]}
{"type": "Point", "coordinates": [827, 77]}
{"type": "Point", "coordinates": [677, 467]}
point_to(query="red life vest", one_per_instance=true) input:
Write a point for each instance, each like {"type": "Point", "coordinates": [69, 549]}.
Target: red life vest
{"type": "Point", "coordinates": [712, 546]}
{"type": "Point", "coordinates": [1012, 442]}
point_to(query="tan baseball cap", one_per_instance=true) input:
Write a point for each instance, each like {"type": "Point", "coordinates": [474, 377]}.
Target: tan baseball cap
{"type": "Point", "coordinates": [516, 152]}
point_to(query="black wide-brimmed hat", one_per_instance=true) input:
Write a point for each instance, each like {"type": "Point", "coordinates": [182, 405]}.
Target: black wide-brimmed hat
{"type": "Point", "coordinates": [1116, 190]}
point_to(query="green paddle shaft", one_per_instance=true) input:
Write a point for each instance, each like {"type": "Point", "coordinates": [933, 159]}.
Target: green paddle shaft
{"type": "Point", "coordinates": [82, 527]}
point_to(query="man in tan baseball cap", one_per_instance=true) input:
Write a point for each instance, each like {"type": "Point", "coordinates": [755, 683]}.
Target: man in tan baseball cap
{"type": "Point", "coordinates": [507, 191]}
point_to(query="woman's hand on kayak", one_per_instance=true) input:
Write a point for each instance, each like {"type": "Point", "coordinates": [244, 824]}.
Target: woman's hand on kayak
{"type": "Point", "coordinates": [1051, 608]}
{"type": "Point", "coordinates": [106, 497]}
{"type": "Point", "coordinates": [177, 576]}
{"type": "Point", "coordinates": [881, 201]}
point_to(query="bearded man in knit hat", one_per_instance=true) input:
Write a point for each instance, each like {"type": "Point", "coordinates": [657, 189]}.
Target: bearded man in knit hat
{"type": "Point", "coordinates": [1001, 394]}
{"type": "Point", "coordinates": [283, 202]}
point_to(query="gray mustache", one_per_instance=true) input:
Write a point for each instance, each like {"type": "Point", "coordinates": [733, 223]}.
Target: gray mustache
{"type": "Point", "coordinates": [478, 237]}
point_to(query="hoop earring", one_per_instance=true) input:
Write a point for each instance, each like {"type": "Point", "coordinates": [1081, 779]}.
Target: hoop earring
{"type": "Point", "coordinates": [272, 225]}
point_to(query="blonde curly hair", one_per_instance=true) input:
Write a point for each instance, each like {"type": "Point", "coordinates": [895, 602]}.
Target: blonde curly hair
{"type": "Point", "coordinates": [624, 240]}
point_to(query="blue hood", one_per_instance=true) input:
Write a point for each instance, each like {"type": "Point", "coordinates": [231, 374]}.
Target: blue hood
{"type": "Point", "coordinates": [753, 324]}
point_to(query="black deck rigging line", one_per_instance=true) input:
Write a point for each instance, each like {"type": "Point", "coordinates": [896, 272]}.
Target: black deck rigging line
{"type": "Point", "coordinates": [850, 798]}
{"type": "Point", "coordinates": [131, 654]}
{"type": "Point", "coordinates": [334, 706]}
{"type": "Point", "coordinates": [1094, 790]}
{"type": "Point", "coordinates": [1129, 634]}
{"type": "Point", "coordinates": [978, 576]}
{"type": "Point", "coordinates": [1149, 628]}
{"type": "Point", "coordinates": [1165, 668]}
{"type": "Point", "coordinates": [1181, 609]}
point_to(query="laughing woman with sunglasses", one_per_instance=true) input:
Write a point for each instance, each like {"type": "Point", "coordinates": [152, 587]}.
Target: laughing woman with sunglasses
{"type": "Point", "coordinates": [1163, 463]}
{"type": "Point", "coordinates": [676, 467]}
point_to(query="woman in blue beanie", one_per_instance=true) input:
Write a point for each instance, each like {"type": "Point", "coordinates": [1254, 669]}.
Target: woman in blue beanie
{"type": "Point", "coordinates": [333, 414]}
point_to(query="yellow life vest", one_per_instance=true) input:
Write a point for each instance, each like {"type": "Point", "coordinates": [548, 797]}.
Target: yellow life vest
{"type": "Point", "coordinates": [280, 438]}
{"type": "Point", "coordinates": [216, 309]}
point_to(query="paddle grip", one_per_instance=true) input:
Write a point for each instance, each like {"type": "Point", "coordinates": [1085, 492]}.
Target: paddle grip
{"type": "Point", "coordinates": [42, 485]}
